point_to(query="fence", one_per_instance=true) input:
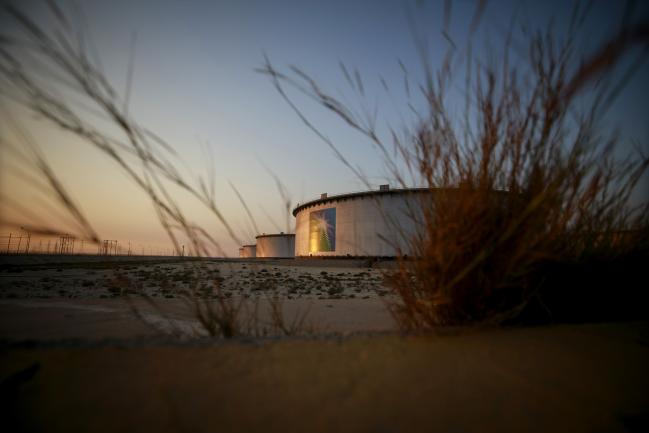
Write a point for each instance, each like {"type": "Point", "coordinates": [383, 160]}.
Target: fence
{"type": "Point", "coordinates": [25, 243]}
{"type": "Point", "coordinates": [15, 243]}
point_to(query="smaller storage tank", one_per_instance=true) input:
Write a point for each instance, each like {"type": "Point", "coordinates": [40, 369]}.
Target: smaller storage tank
{"type": "Point", "coordinates": [248, 251]}
{"type": "Point", "coordinates": [278, 245]}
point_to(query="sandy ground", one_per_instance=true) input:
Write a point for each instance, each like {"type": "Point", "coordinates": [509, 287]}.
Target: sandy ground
{"type": "Point", "coordinates": [88, 278]}
{"type": "Point", "coordinates": [83, 297]}
{"type": "Point", "coordinates": [588, 378]}
{"type": "Point", "coordinates": [100, 319]}
{"type": "Point", "coordinates": [75, 357]}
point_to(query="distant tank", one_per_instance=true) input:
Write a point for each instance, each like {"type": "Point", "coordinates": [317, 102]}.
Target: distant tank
{"type": "Point", "coordinates": [248, 251]}
{"type": "Point", "coordinates": [277, 245]}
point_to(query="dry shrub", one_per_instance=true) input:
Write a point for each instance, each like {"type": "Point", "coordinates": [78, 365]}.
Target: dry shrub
{"type": "Point", "coordinates": [534, 195]}
{"type": "Point", "coordinates": [526, 196]}
{"type": "Point", "coordinates": [229, 316]}
{"type": "Point", "coordinates": [216, 312]}
{"type": "Point", "coordinates": [297, 324]}
{"type": "Point", "coordinates": [218, 315]}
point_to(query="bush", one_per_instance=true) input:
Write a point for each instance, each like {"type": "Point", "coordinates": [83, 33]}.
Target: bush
{"type": "Point", "coordinates": [526, 198]}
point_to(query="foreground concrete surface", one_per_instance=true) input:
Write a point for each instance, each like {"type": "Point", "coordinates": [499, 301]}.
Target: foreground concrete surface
{"type": "Point", "coordinates": [577, 378]}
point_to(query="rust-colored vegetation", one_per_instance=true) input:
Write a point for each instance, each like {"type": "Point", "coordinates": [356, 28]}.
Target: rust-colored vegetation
{"type": "Point", "coordinates": [530, 214]}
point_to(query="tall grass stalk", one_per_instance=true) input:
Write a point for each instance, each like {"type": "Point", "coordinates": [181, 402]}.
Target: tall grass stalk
{"type": "Point", "coordinates": [54, 73]}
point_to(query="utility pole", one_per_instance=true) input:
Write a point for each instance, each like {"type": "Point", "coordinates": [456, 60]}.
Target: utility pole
{"type": "Point", "coordinates": [66, 244]}
{"type": "Point", "coordinates": [28, 237]}
{"type": "Point", "coordinates": [108, 247]}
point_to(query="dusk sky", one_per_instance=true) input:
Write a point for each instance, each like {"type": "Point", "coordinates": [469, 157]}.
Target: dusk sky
{"type": "Point", "coordinates": [195, 84]}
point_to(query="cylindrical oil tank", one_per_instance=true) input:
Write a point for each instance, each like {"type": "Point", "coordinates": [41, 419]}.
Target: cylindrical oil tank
{"type": "Point", "coordinates": [278, 245]}
{"type": "Point", "coordinates": [370, 223]}
{"type": "Point", "coordinates": [248, 251]}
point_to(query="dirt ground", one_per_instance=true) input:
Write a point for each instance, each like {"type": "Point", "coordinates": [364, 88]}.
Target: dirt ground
{"type": "Point", "coordinates": [74, 357]}
{"type": "Point", "coordinates": [82, 297]}
{"type": "Point", "coordinates": [84, 277]}
{"type": "Point", "coordinates": [101, 319]}
{"type": "Point", "coordinates": [588, 378]}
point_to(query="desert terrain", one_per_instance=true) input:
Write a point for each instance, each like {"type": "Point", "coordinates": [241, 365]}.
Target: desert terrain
{"type": "Point", "coordinates": [59, 297]}
{"type": "Point", "coordinates": [83, 350]}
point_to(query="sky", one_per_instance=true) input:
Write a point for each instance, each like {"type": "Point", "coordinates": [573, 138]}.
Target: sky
{"type": "Point", "coordinates": [195, 83]}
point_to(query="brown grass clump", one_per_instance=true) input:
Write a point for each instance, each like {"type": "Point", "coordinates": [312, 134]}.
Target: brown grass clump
{"type": "Point", "coordinates": [527, 201]}
{"type": "Point", "coordinates": [288, 325]}
{"type": "Point", "coordinates": [217, 312]}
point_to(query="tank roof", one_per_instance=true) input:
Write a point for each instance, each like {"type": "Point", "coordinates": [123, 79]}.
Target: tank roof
{"type": "Point", "coordinates": [265, 235]}
{"type": "Point", "coordinates": [350, 195]}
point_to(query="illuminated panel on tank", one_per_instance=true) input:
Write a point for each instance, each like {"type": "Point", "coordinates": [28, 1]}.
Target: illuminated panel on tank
{"type": "Point", "coordinates": [322, 230]}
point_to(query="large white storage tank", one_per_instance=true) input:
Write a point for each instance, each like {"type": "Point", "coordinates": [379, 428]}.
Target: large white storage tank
{"type": "Point", "coordinates": [370, 223]}
{"type": "Point", "coordinates": [276, 245]}
{"type": "Point", "coordinates": [248, 251]}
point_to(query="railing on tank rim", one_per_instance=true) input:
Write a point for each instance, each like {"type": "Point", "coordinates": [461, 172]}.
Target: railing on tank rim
{"type": "Point", "coordinates": [365, 191]}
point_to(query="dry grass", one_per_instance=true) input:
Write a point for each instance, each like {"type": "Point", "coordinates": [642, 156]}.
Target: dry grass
{"type": "Point", "coordinates": [218, 314]}
{"type": "Point", "coordinates": [54, 73]}
{"type": "Point", "coordinates": [281, 323]}
{"type": "Point", "coordinates": [525, 190]}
